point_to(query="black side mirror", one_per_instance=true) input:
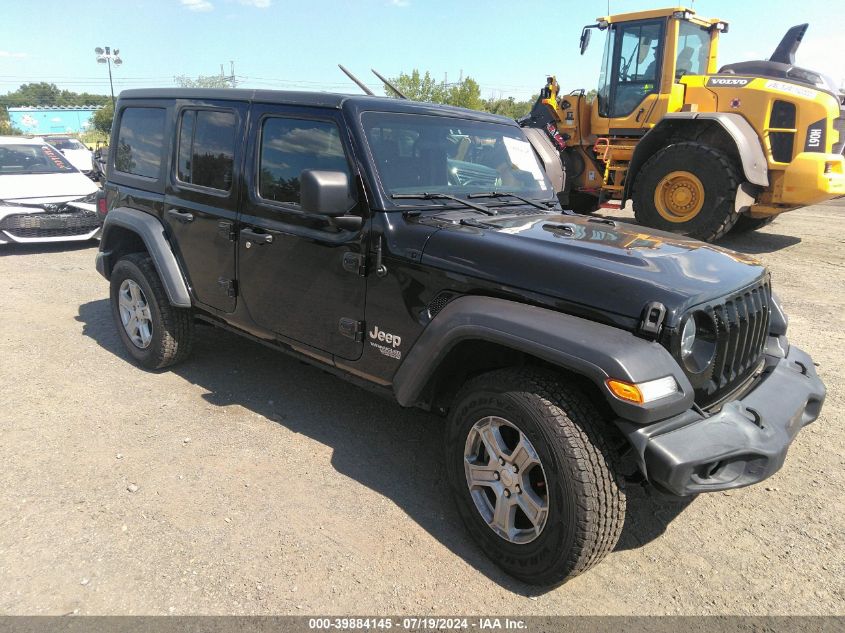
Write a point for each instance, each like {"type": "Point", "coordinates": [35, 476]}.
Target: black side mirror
{"type": "Point", "coordinates": [325, 192]}
{"type": "Point", "coordinates": [585, 38]}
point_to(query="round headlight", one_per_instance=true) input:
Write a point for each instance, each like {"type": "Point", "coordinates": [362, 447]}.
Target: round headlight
{"type": "Point", "coordinates": [698, 342]}
{"type": "Point", "coordinates": [688, 338]}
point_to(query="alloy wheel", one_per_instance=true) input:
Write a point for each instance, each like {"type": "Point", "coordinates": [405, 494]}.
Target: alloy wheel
{"type": "Point", "coordinates": [135, 314]}
{"type": "Point", "coordinates": [506, 480]}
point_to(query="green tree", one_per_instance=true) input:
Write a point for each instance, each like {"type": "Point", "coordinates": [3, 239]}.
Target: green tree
{"type": "Point", "coordinates": [465, 94]}
{"type": "Point", "coordinates": [419, 87]}
{"type": "Point", "coordinates": [203, 81]}
{"type": "Point", "coordinates": [509, 107]}
{"type": "Point", "coordinates": [103, 118]}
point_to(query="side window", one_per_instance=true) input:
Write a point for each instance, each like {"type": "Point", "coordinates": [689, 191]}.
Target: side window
{"type": "Point", "coordinates": [206, 148]}
{"type": "Point", "coordinates": [289, 146]}
{"type": "Point", "coordinates": [140, 141]}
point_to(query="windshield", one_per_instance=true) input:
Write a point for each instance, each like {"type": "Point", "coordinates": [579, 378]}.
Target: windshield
{"type": "Point", "coordinates": [32, 159]}
{"type": "Point", "coordinates": [65, 143]}
{"type": "Point", "coordinates": [443, 155]}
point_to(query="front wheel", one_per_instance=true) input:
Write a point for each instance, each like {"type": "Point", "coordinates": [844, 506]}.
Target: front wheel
{"type": "Point", "coordinates": [688, 188]}
{"type": "Point", "coordinates": [154, 332]}
{"type": "Point", "coordinates": [533, 475]}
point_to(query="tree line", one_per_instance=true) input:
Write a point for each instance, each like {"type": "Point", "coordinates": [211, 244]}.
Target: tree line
{"type": "Point", "coordinates": [416, 86]}
{"type": "Point", "coordinates": [464, 94]}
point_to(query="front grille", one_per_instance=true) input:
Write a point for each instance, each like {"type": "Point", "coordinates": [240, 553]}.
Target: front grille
{"type": "Point", "coordinates": [742, 324]}
{"type": "Point", "coordinates": [839, 125]}
{"type": "Point", "coordinates": [39, 225]}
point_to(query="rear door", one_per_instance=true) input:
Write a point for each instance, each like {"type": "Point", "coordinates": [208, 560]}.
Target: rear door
{"type": "Point", "coordinates": [303, 276]}
{"type": "Point", "coordinates": [201, 199]}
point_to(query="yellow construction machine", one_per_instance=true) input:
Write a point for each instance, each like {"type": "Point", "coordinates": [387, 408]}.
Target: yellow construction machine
{"type": "Point", "coordinates": [700, 150]}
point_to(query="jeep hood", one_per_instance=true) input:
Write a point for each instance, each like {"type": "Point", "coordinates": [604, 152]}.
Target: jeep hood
{"type": "Point", "coordinates": [599, 264]}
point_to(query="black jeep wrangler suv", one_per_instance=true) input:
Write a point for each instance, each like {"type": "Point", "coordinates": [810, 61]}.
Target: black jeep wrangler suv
{"type": "Point", "coordinates": [419, 251]}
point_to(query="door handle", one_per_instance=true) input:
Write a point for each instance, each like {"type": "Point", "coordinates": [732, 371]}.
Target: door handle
{"type": "Point", "coordinates": [180, 216]}
{"type": "Point", "coordinates": [258, 238]}
{"type": "Point", "coordinates": [639, 114]}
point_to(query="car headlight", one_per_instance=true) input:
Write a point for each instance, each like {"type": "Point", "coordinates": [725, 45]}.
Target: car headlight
{"type": "Point", "coordinates": [688, 338]}
{"type": "Point", "coordinates": [698, 342]}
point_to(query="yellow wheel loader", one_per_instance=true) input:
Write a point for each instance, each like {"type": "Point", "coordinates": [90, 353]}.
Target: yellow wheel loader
{"type": "Point", "coordinates": [699, 151]}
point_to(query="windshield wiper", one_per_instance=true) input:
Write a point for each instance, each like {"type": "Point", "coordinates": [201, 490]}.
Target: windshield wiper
{"type": "Point", "coordinates": [442, 196]}
{"type": "Point", "coordinates": [507, 194]}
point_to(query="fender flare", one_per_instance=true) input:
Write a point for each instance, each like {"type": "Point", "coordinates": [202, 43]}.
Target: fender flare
{"type": "Point", "coordinates": [584, 347]}
{"type": "Point", "coordinates": [151, 232]}
{"type": "Point", "coordinates": [745, 138]}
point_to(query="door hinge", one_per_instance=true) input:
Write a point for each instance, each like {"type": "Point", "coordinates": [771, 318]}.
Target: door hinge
{"type": "Point", "coordinates": [350, 328]}
{"type": "Point", "coordinates": [227, 230]}
{"type": "Point", "coordinates": [228, 286]}
{"type": "Point", "coordinates": [355, 263]}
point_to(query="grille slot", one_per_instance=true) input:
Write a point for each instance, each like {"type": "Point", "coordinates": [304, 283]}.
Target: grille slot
{"type": "Point", "coordinates": [782, 142]}
{"type": "Point", "coordinates": [742, 324]}
{"type": "Point", "coordinates": [439, 302]}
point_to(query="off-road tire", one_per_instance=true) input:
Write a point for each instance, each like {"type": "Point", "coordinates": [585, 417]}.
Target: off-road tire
{"type": "Point", "coordinates": [586, 497]}
{"type": "Point", "coordinates": [746, 223]}
{"type": "Point", "coordinates": [173, 328]}
{"type": "Point", "coordinates": [718, 175]}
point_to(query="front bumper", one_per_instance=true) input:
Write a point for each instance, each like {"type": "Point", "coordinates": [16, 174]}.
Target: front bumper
{"type": "Point", "coordinates": [812, 178]}
{"type": "Point", "coordinates": [742, 444]}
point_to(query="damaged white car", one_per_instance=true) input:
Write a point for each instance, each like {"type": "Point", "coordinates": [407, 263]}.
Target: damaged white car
{"type": "Point", "coordinates": [43, 197]}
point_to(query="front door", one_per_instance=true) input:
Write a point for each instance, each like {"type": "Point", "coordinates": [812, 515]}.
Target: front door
{"type": "Point", "coordinates": [300, 275]}
{"type": "Point", "coordinates": [629, 84]}
{"type": "Point", "coordinates": [201, 200]}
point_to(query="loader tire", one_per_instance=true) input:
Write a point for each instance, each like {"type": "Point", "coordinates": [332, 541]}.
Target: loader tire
{"type": "Point", "coordinates": [746, 224]}
{"type": "Point", "coordinates": [688, 188]}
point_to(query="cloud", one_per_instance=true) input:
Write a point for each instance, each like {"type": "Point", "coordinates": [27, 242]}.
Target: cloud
{"type": "Point", "coordinates": [398, 3]}
{"type": "Point", "coordinates": [258, 4]}
{"type": "Point", "coordinates": [197, 5]}
{"type": "Point", "coordinates": [11, 54]}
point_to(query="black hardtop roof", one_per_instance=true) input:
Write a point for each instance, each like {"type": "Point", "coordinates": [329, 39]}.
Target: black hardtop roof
{"type": "Point", "coordinates": [316, 99]}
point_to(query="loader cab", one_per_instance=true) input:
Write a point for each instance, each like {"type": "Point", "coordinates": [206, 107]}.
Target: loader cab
{"type": "Point", "coordinates": [645, 55]}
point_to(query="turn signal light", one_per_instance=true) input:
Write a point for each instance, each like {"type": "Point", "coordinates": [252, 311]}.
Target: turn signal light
{"type": "Point", "coordinates": [625, 391]}
{"type": "Point", "coordinates": [643, 392]}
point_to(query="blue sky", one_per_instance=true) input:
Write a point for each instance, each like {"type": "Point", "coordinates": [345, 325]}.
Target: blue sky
{"type": "Point", "coordinates": [507, 46]}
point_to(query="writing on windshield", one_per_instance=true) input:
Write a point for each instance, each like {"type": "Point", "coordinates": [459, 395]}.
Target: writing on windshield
{"type": "Point", "coordinates": [31, 159]}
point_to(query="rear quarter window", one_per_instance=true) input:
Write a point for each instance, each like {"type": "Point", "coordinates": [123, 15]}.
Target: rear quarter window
{"type": "Point", "coordinates": [140, 141]}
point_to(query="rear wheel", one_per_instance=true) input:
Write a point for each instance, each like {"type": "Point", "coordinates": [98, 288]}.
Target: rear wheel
{"type": "Point", "coordinates": [532, 473]}
{"type": "Point", "coordinates": [745, 223]}
{"type": "Point", "coordinates": [688, 188]}
{"type": "Point", "coordinates": [154, 332]}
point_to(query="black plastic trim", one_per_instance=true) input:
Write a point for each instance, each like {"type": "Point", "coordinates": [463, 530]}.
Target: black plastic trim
{"type": "Point", "coordinates": [742, 444]}
{"type": "Point", "coordinates": [590, 349]}
{"type": "Point", "coordinates": [150, 230]}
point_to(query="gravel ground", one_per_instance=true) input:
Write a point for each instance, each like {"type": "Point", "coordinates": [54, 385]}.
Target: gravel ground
{"type": "Point", "coordinates": [244, 482]}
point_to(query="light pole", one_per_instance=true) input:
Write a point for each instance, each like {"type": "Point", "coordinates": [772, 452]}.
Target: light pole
{"type": "Point", "coordinates": [107, 56]}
